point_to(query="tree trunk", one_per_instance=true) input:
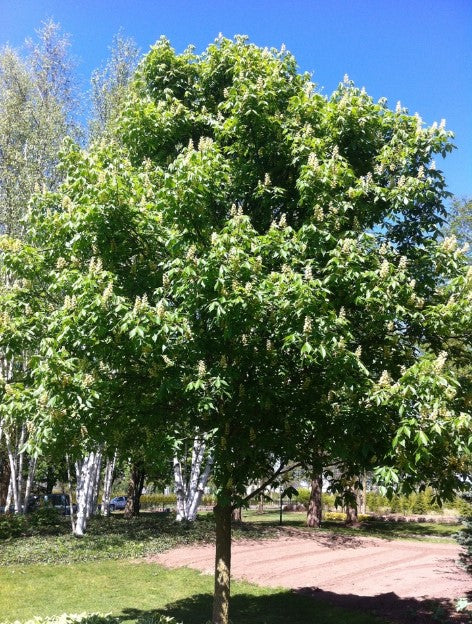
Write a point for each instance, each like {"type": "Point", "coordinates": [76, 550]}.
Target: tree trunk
{"type": "Point", "coordinates": [107, 485]}
{"type": "Point", "coordinates": [351, 515]}
{"type": "Point", "coordinates": [13, 475]}
{"type": "Point", "coordinates": [86, 472]}
{"type": "Point", "coordinates": [189, 491]}
{"type": "Point", "coordinates": [222, 564]}
{"type": "Point", "coordinates": [95, 483]}
{"type": "Point", "coordinates": [69, 484]}
{"type": "Point", "coordinates": [179, 488]}
{"type": "Point", "coordinates": [4, 479]}
{"type": "Point", "coordinates": [30, 479]}
{"type": "Point", "coordinates": [135, 489]}
{"type": "Point", "coordinates": [315, 504]}
{"type": "Point", "coordinates": [50, 480]}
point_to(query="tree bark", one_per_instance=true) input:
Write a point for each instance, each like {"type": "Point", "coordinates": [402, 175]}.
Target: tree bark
{"type": "Point", "coordinates": [86, 472]}
{"type": "Point", "coordinates": [135, 489]}
{"type": "Point", "coordinates": [351, 516]}
{"type": "Point", "coordinates": [4, 478]}
{"type": "Point", "coordinates": [30, 479]}
{"type": "Point", "coordinates": [107, 485]}
{"type": "Point", "coordinates": [315, 504]}
{"type": "Point", "coordinates": [222, 564]}
{"type": "Point", "coordinates": [189, 491]}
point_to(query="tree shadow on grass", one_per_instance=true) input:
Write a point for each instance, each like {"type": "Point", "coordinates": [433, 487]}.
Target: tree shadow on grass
{"type": "Point", "coordinates": [311, 606]}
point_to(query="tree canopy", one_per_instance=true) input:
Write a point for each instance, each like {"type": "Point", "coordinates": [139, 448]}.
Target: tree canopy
{"type": "Point", "coordinates": [254, 260]}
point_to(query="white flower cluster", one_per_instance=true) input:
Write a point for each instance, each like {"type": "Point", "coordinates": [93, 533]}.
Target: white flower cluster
{"type": "Point", "coordinates": [60, 263]}
{"type": "Point", "coordinates": [160, 309]}
{"type": "Point", "coordinates": [318, 213]}
{"type": "Point", "coordinates": [283, 221]}
{"type": "Point", "coordinates": [191, 253]}
{"type": "Point", "coordinates": [307, 325]}
{"type": "Point", "coordinates": [107, 293]}
{"type": "Point", "coordinates": [313, 161]}
{"type": "Point", "coordinates": [140, 303]}
{"type": "Point", "coordinates": [403, 262]}
{"type": "Point", "coordinates": [384, 269]}
{"type": "Point", "coordinates": [95, 265]}
{"type": "Point", "coordinates": [385, 379]}
{"type": "Point", "coordinates": [347, 244]}
{"type": "Point", "coordinates": [267, 180]}
{"type": "Point", "coordinates": [358, 352]}
{"type": "Point", "coordinates": [440, 361]}
{"type": "Point", "coordinates": [308, 273]}
{"type": "Point", "coordinates": [420, 174]}
{"type": "Point", "coordinates": [205, 143]}
{"type": "Point", "coordinates": [449, 243]}
{"type": "Point", "coordinates": [201, 369]}
{"type": "Point", "coordinates": [88, 380]}
{"type": "Point", "coordinates": [379, 168]}
{"type": "Point", "coordinates": [69, 302]}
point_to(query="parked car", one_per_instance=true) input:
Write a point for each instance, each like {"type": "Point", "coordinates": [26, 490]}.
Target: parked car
{"type": "Point", "coordinates": [61, 502]}
{"type": "Point", "coordinates": [119, 502]}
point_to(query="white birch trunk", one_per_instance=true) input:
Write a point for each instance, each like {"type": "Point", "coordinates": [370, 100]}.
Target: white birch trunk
{"type": "Point", "coordinates": [107, 485]}
{"type": "Point", "coordinates": [20, 454]}
{"type": "Point", "coordinates": [13, 475]}
{"type": "Point", "coordinates": [8, 499]}
{"type": "Point", "coordinates": [30, 479]}
{"type": "Point", "coordinates": [197, 497]}
{"type": "Point", "coordinates": [95, 483]}
{"type": "Point", "coordinates": [85, 477]}
{"type": "Point", "coordinates": [179, 490]}
{"type": "Point", "coordinates": [189, 492]}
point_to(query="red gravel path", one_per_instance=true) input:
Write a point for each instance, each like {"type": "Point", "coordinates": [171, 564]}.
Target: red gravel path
{"type": "Point", "coordinates": [389, 577]}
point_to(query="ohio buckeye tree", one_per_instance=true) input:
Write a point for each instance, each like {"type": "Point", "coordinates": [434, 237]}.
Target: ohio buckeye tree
{"type": "Point", "coordinates": [259, 263]}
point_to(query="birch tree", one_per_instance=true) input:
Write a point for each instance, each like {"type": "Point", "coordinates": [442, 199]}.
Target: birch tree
{"type": "Point", "coordinates": [37, 108]}
{"type": "Point", "coordinates": [191, 474]}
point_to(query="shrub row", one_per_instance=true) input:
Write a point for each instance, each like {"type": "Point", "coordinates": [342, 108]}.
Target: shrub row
{"type": "Point", "coordinates": [13, 525]}
{"type": "Point", "coordinates": [416, 503]}
{"type": "Point", "coordinates": [151, 501]}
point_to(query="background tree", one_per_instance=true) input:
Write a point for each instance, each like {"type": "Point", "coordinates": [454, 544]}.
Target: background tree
{"type": "Point", "coordinates": [460, 221]}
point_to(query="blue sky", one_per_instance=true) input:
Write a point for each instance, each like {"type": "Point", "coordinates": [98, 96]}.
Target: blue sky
{"type": "Point", "coordinates": [416, 51]}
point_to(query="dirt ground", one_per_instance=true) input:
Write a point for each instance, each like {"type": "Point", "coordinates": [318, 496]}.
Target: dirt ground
{"type": "Point", "coordinates": [393, 578]}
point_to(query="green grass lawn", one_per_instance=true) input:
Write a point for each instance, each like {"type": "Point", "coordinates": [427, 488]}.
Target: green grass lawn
{"type": "Point", "coordinates": [46, 571]}
{"type": "Point", "coordinates": [130, 590]}
{"type": "Point", "coordinates": [387, 530]}
{"type": "Point", "coordinates": [118, 538]}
